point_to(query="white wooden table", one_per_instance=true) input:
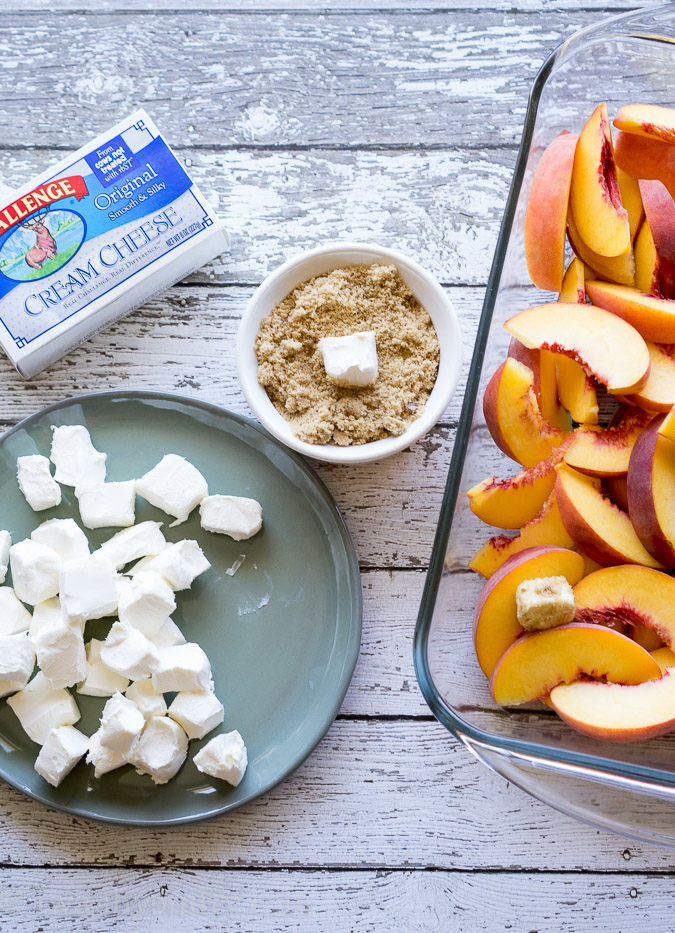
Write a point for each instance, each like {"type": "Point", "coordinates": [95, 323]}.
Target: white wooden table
{"type": "Point", "coordinates": [368, 119]}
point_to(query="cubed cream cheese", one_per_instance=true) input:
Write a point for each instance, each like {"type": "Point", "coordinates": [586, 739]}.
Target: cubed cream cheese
{"type": "Point", "coordinates": [99, 679]}
{"type": "Point", "coordinates": [224, 757]}
{"type": "Point", "coordinates": [36, 483]}
{"type": "Point", "coordinates": [168, 634]}
{"type": "Point", "coordinates": [350, 360]}
{"type": "Point", "coordinates": [178, 563]}
{"type": "Point", "coordinates": [106, 505]}
{"type": "Point", "coordinates": [174, 485]}
{"type": "Point", "coordinates": [236, 516]}
{"type": "Point", "coordinates": [145, 601]}
{"type": "Point", "coordinates": [14, 617]}
{"type": "Point", "coordinates": [140, 540]}
{"type": "Point", "coordinates": [40, 708]}
{"type": "Point", "coordinates": [5, 545]}
{"type": "Point", "coordinates": [146, 698]}
{"type": "Point", "coordinates": [161, 749]}
{"type": "Point", "coordinates": [121, 724]}
{"type": "Point", "coordinates": [46, 614]}
{"type": "Point", "coordinates": [60, 654]}
{"type": "Point", "coordinates": [103, 759]}
{"type": "Point", "coordinates": [544, 602]}
{"type": "Point", "coordinates": [88, 588]}
{"type": "Point", "coordinates": [182, 667]}
{"type": "Point", "coordinates": [64, 536]}
{"type": "Point", "coordinates": [17, 658]}
{"type": "Point", "coordinates": [35, 571]}
{"type": "Point", "coordinates": [58, 756]}
{"type": "Point", "coordinates": [198, 712]}
{"type": "Point", "coordinates": [127, 651]}
{"type": "Point", "coordinates": [76, 459]}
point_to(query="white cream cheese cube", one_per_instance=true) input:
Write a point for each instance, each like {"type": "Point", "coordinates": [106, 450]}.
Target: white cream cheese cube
{"type": "Point", "coordinates": [36, 482]}
{"type": "Point", "coordinates": [63, 749]}
{"type": "Point", "coordinates": [64, 536]}
{"type": "Point", "coordinates": [5, 545]}
{"type": "Point", "coordinates": [224, 757]}
{"type": "Point", "coordinates": [17, 658]}
{"type": "Point", "coordinates": [60, 654]}
{"type": "Point", "coordinates": [236, 516]}
{"type": "Point", "coordinates": [75, 457]}
{"type": "Point", "coordinates": [544, 602]}
{"type": "Point", "coordinates": [121, 724]}
{"type": "Point", "coordinates": [8, 687]}
{"type": "Point", "coordinates": [14, 617]}
{"type": "Point", "coordinates": [182, 667]}
{"type": "Point", "coordinates": [103, 759]}
{"type": "Point", "coordinates": [350, 360]}
{"type": "Point", "coordinates": [178, 563]}
{"type": "Point", "coordinates": [198, 712]}
{"type": "Point", "coordinates": [106, 505]}
{"type": "Point", "coordinates": [46, 614]}
{"type": "Point", "coordinates": [168, 634]}
{"type": "Point", "coordinates": [99, 679]}
{"type": "Point", "coordinates": [146, 698]}
{"type": "Point", "coordinates": [35, 571]}
{"type": "Point", "coordinates": [127, 651]}
{"type": "Point", "coordinates": [88, 588]}
{"type": "Point", "coordinates": [40, 708]}
{"type": "Point", "coordinates": [129, 544]}
{"type": "Point", "coordinates": [145, 601]}
{"type": "Point", "coordinates": [175, 486]}
{"type": "Point", "coordinates": [161, 749]}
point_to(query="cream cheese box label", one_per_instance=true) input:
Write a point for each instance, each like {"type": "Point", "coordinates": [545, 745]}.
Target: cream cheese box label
{"type": "Point", "coordinates": [99, 233]}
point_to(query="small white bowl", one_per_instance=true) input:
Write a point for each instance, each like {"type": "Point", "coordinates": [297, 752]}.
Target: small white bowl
{"type": "Point", "coordinates": [319, 261]}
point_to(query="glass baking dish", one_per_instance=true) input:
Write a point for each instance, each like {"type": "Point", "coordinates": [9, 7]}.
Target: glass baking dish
{"type": "Point", "coordinates": [629, 789]}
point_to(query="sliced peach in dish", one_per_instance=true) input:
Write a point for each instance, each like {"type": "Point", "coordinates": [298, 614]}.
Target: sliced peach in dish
{"type": "Point", "coordinates": [654, 318]}
{"type": "Point", "coordinates": [643, 157]}
{"type": "Point", "coordinates": [645, 637]}
{"type": "Point", "coordinates": [573, 289]}
{"type": "Point", "coordinates": [537, 663]}
{"type": "Point", "coordinates": [631, 199]}
{"type": "Point", "coordinates": [659, 238]}
{"type": "Point", "coordinates": [614, 268]}
{"type": "Point", "coordinates": [598, 528]}
{"type": "Point", "coordinates": [658, 392]}
{"type": "Point", "coordinates": [602, 451]}
{"type": "Point", "coordinates": [667, 426]}
{"type": "Point", "coordinates": [513, 416]}
{"type": "Point", "coordinates": [543, 366]}
{"type": "Point", "coordinates": [616, 489]}
{"type": "Point", "coordinates": [576, 389]}
{"type": "Point", "coordinates": [647, 272]}
{"type": "Point", "coordinates": [651, 493]}
{"type": "Point", "coordinates": [545, 529]}
{"type": "Point", "coordinates": [647, 120]}
{"type": "Point", "coordinates": [546, 214]}
{"type": "Point", "coordinates": [664, 657]}
{"type": "Point", "coordinates": [495, 621]}
{"type": "Point", "coordinates": [595, 200]}
{"type": "Point", "coordinates": [609, 348]}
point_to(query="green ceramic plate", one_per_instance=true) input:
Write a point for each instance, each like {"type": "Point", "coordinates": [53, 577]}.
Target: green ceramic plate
{"type": "Point", "coordinates": [282, 633]}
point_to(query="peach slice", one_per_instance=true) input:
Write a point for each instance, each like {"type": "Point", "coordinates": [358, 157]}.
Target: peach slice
{"type": "Point", "coordinates": [573, 290]}
{"type": "Point", "coordinates": [576, 390]}
{"type": "Point", "coordinates": [513, 416]}
{"type": "Point", "coordinates": [644, 157]}
{"type": "Point", "coordinates": [595, 200]}
{"type": "Point", "coordinates": [619, 269]}
{"type": "Point", "coordinates": [647, 120]}
{"type": "Point", "coordinates": [654, 318]}
{"type": "Point", "coordinates": [658, 392]}
{"type": "Point", "coordinates": [495, 622]}
{"type": "Point", "coordinates": [618, 713]}
{"type": "Point", "coordinates": [598, 528]}
{"type": "Point", "coordinates": [631, 199]}
{"type": "Point", "coordinates": [630, 594]}
{"type": "Point", "coordinates": [660, 218]}
{"type": "Point", "coordinates": [645, 637]}
{"type": "Point", "coordinates": [543, 366]}
{"type": "Point", "coordinates": [537, 663]}
{"type": "Point", "coordinates": [616, 489]}
{"type": "Point", "coordinates": [647, 274]}
{"type": "Point", "coordinates": [545, 529]}
{"type": "Point", "coordinates": [605, 345]}
{"type": "Point", "coordinates": [546, 213]}
{"type": "Point", "coordinates": [651, 493]}
{"type": "Point", "coordinates": [664, 657]}
{"type": "Point", "coordinates": [602, 451]}
{"type": "Point", "coordinates": [667, 426]}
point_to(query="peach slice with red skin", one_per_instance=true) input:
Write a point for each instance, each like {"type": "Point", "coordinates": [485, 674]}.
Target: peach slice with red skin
{"type": "Point", "coordinates": [538, 662]}
{"type": "Point", "coordinates": [648, 120]}
{"type": "Point", "coordinates": [604, 452]}
{"type": "Point", "coordinates": [595, 199]}
{"type": "Point", "coordinates": [667, 426]}
{"type": "Point", "coordinates": [598, 528]}
{"type": "Point", "coordinates": [605, 345]}
{"type": "Point", "coordinates": [657, 240]}
{"type": "Point", "coordinates": [664, 657]}
{"type": "Point", "coordinates": [573, 289]}
{"type": "Point", "coordinates": [495, 621]}
{"type": "Point", "coordinates": [654, 318]}
{"type": "Point", "coordinates": [576, 390]}
{"type": "Point", "coordinates": [631, 199]}
{"type": "Point", "coordinates": [543, 366]}
{"type": "Point", "coordinates": [614, 268]}
{"type": "Point", "coordinates": [616, 489]}
{"type": "Point", "coordinates": [644, 157]}
{"type": "Point", "coordinates": [651, 493]}
{"type": "Point", "coordinates": [546, 213]}
{"type": "Point", "coordinates": [513, 417]}
{"type": "Point", "coordinates": [658, 392]}
{"type": "Point", "coordinates": [647, 268]}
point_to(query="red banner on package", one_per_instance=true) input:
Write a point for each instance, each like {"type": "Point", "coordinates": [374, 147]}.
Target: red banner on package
{"type": "Point", "coordinates": [73, 186]}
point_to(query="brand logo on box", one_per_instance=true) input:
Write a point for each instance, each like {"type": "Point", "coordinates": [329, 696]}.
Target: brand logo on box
{"type": "Point", "coordinates": [74, 186]}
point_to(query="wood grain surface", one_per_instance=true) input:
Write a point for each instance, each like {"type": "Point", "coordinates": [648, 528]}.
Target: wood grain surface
{"type": "Point", "coordinates": [391, 122]}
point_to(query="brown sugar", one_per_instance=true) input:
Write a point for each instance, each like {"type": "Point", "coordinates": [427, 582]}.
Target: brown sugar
{"type": "Point", "coordinates": [345, 301]}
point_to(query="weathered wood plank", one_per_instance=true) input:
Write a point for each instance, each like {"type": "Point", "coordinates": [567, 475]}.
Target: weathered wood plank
{"type": "Point", "coordinates": [346, 7]}
{"type": "Point", "coordinates": [374, 794]}
{"type": "Point", "coordinates": [258, 901]}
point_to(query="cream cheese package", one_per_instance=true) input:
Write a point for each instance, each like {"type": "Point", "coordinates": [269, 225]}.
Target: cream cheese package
{"type": "Point", "coordinates": [94, 237]}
